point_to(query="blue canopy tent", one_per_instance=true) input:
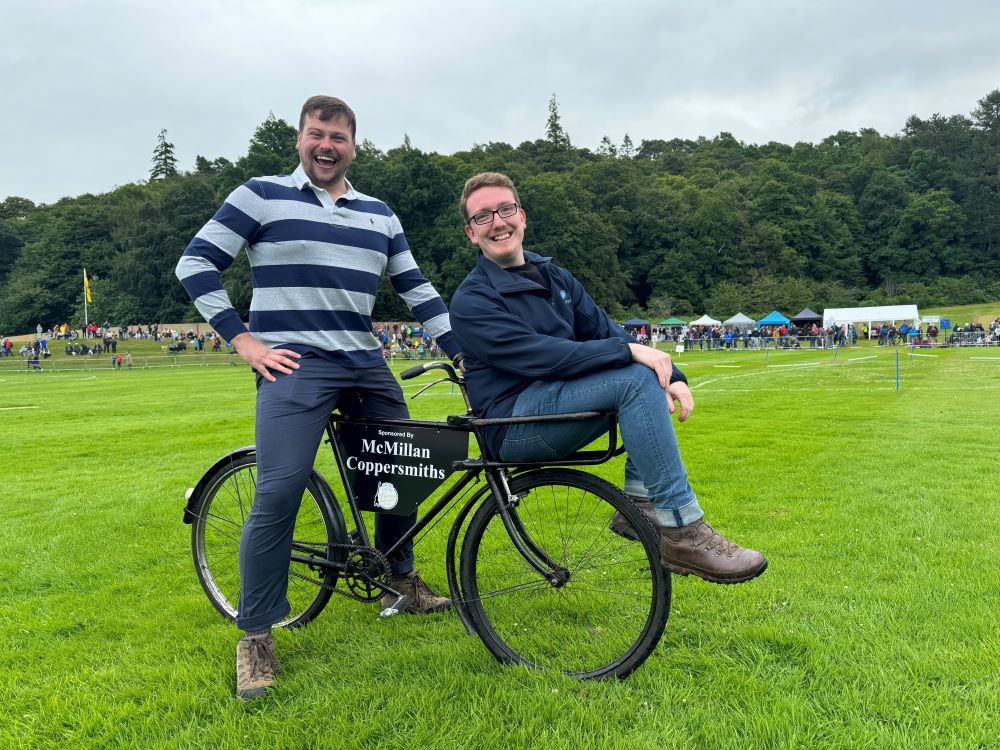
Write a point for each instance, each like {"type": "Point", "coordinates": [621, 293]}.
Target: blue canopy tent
{"type": "Point", "coordinates": [774, 319]}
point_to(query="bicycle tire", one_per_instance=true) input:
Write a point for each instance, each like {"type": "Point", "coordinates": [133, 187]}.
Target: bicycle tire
{"type": "Point", "coordinates": [218, 519]}
{"type": "Point", "coordinates": [607, 618]}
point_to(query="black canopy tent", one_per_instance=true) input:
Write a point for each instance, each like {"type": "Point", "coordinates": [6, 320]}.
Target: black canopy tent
{"type": "Point", "coordinates": [805, 317]}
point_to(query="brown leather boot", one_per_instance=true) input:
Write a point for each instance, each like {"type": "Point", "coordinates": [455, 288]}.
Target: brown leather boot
{"type": "Point", "coordinates": [622, 527]}
{"type": "Point", "coordinates": [698, 549]}
{"type": "Point", "coordinates": [255, 666]}
{"type": "Point", "coordinates": [424, 601]}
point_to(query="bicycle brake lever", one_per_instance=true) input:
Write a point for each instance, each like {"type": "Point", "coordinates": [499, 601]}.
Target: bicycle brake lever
{"type": "Point", "coordinates": [430, 385]}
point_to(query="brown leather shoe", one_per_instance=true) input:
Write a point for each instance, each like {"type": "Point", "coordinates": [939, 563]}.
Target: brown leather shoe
{"type": "Point", "coordinates": [622, 527]}
{"type": "Point", "coordinates": [698, 549]}
{"type": "Point", "coordinates": [256, 665]}
{"type": "Point", "coordinates": [423, 600]}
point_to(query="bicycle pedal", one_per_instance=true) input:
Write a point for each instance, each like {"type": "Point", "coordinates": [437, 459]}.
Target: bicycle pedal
{"type": "Point", "coordinates": [397, 606]}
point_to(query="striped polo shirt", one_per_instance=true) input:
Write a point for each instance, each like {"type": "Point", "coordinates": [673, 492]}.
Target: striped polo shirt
{"type": "Point", "coordinates": [316, 264]}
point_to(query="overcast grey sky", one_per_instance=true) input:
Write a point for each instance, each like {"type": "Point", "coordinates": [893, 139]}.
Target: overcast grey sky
{"type": "Point", "coordinates": [85, 87]}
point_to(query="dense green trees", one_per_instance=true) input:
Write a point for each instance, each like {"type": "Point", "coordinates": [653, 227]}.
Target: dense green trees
{"type": "Point", "coordinates": [665, 227]}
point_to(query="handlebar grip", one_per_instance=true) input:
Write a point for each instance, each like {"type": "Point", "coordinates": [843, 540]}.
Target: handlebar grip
{"type": "Point", "coordinates": [414, 371]}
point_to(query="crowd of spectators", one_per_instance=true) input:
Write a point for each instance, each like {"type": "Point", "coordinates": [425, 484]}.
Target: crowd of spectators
{"type": "Point", "coordinates": [817, 337]}
{"type": "Point", "coordinates": [199, 342]}
{"type": "Point", "coordinates": [975, 334]}
{"type": "Point", "coordinates": [780, 337]}
{"type": "Point", "coordinates": [970, 334]}
{"type": "Point", "coordinates": [84, 349]}
{"type": "Point", "coordinates": [109, 333]}
{"type": "Point", "coordinates": [410, 341]}
{"type": "Point", "coordinates": [889, 334]}
{"type": "Point", "coordinates": [32, 352]}
{"type": "Point", "coordinates": [640, 334]}
{"type": "Point", "coordinates": [406, 341]}
{"type": "Point", "coordinates": [94, 340]}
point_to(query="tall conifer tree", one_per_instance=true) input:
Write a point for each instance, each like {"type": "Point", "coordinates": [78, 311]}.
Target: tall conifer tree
{"type": "Point", "coordinates": [164, 161]}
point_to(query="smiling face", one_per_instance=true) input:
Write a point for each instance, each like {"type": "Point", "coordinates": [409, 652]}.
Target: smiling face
{"type": "Point", "coordinates": [326, 149]}
{"type": "Point", "coordinates": [501, 240]}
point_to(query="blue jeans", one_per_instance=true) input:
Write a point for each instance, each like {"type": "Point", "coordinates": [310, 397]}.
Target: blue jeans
{"type": "Point", "coordinates": [654, 468]}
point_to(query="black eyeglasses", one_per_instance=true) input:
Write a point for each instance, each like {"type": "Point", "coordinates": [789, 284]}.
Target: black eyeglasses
{"type": "Point", "coordinates": [486, 217]}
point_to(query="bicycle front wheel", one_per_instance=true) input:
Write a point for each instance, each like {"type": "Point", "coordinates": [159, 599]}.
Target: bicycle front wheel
{"type": "Point", "coordinates": [609, 610]}
{"type": "Point", "coordinates": [219, 516]}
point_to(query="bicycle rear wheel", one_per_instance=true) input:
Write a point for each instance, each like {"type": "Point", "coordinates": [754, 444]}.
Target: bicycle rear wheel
{"type": "Point", "coordinates": [610, 613]}
{"type": "Point", "coordinates": [219, 516]}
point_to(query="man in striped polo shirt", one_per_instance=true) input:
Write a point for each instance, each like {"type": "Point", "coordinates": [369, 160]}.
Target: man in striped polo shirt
{"type": "Point", "coordinates": [317, 250]}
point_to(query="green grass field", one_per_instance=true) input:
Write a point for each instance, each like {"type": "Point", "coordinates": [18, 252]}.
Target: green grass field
{"type": "Point", "coordinates": [874, 626]}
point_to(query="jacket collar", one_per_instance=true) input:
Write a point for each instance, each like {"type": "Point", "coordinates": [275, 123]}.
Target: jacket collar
{"type": "Point", "coordinates": [504, 281]}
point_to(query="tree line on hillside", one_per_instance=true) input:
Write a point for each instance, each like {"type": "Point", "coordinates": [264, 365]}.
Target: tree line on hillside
{"type": "Point", "coordinates": [667, 227]}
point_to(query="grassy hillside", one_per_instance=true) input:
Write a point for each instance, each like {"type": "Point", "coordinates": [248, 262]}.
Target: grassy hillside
{"type": "Point", "coordinates": [982, 313]}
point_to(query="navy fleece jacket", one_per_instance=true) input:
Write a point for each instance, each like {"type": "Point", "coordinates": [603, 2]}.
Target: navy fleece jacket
{"type": "Point", "coordinates": [513, 332]}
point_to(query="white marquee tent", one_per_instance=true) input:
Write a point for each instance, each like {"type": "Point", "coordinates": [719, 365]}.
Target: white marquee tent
{"type": "Point", "coordinates": [704, 320]}
{"type": "Point", "coordinates": [884, 314]}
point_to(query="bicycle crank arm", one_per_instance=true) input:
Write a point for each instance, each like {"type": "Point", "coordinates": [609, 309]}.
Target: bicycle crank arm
{"type": "Point", "coordinates": [401, 603]}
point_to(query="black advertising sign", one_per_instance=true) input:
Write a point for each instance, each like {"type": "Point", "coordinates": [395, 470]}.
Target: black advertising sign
{"type": "Point", "coordinates": [394, 469]}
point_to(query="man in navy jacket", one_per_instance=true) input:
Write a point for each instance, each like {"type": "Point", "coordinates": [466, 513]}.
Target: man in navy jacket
{"type": "Point", "coordinates": [535, 343]}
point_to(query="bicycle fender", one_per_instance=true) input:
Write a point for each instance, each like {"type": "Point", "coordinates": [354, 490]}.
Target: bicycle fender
{"type": "Point", "coordinates": [194, 493]}
{"type": "Point", "coordinates": [451, 558]}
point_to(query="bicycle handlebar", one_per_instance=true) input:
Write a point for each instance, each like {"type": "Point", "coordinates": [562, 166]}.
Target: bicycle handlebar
{"type": "Point", "coordinates": [428, 366]}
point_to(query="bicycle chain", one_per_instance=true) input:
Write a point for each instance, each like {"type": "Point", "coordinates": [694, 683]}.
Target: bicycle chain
{"type": "Point", "coordinates": [370, 553]}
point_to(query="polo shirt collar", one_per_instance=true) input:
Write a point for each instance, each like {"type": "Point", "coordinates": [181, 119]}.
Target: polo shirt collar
{"type": "Point", "coordinates": [302, 182]}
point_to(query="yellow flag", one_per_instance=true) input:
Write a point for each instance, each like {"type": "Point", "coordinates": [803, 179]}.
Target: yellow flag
{"type": "Point", "coordinates": [86, 287]}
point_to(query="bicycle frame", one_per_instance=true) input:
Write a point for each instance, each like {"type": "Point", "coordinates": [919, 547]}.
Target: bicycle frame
{"type": "Point", "coordinates": [496, 473]}
{"type": "Point", "coordinates": [600, 596]}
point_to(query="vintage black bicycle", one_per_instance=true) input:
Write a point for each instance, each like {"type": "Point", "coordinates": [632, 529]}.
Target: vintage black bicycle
{"type": "Point", "coordinates": [533, 568]}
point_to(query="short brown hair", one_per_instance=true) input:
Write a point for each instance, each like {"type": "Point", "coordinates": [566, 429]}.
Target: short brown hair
{"type": "Point", "coordinates": [325, 107]}
{"type": "Point", "coordinates": [481, 180]}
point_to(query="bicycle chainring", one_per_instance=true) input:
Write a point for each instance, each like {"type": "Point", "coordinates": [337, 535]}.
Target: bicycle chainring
{"type": "Point", "coordinates": [366, 566]}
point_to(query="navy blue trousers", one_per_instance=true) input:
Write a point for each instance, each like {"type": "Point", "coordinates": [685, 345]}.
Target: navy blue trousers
{"type": "Point", "coordinates": [292, 413]}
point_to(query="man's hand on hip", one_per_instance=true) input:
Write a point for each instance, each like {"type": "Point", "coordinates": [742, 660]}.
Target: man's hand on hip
{"type": "Point", "coordinates": [264, 359]}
